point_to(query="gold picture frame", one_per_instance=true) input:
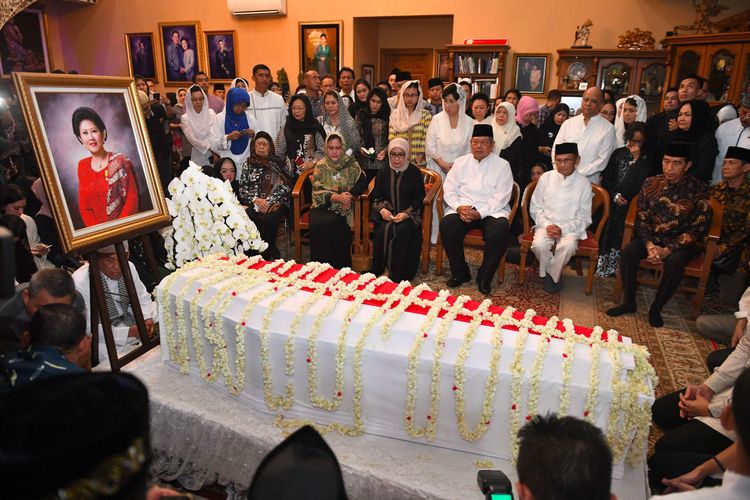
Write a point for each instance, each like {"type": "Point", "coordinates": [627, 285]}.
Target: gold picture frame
{"type": "Point", "coordinates": [141, 63]}
{"type": "Point", "coordinates": [119, 198]}
{"type": "Point", "coordinates": [311, 57]}
{"type": "Point", "coordinates": [174, 61]}
{"type": "Point", "coordinates": [217, 71]}
{"type": "Point", "coordinates": [531, 72]}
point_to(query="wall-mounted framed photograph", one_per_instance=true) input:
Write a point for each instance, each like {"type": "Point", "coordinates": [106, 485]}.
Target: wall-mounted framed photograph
{"type": "Point", "coordinates": [321, 46]}
{"type": "Point", "coordinates": [141, 58]}
{"type": "Point", "coordinates": [94, 155]}
{"type": "Point", "coordinates": [368, 74]}
{"type": "Point", "coordinates": [530, 73]}
{"type": "Point", "coordinates": [222, 47]}
{"type": "Point", "coordinates": [181, 51]}
{"type": "Point", "coordinates": [443, 65]}
{"type": "Point", "coordinates": [23, 43]}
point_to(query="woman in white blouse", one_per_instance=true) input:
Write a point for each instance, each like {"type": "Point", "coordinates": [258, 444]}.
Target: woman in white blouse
{"type": "Point", "coordinates": [197, 123]}
{"type": "Point", "coordinates": [448, 138]}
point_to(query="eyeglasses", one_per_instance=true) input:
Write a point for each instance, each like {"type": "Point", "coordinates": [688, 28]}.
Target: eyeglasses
{"type": "Point", "coordinates": [393, 154]}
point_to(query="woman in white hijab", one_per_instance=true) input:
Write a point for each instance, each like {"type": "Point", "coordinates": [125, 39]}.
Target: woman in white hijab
{"type": "Point", "coordinates": [630, 109]}
{"type": "Point", "coordinates": [197, 123]}
{"type": "Point", "coordinates": [239, 83]}
{"type": "Point", "coordinates": [508, 137]}
{"type": "Point", "coordinates": [410, 120]}
{"type": "Point", "coordinates": [448, 137]}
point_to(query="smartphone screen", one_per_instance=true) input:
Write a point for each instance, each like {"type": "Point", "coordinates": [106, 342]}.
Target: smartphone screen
{"type": "Point", "coordinates": [501, 496]}
{"type": "Point", "coordinates": [157, 96]}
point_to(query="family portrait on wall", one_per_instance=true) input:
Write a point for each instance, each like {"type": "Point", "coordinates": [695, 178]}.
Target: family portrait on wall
{"type": "Point", "coordinates": [181, 50]}
{"type": "Point", "coordinates": [222, 55]}
{"type": "Point", "coordinates": [141, 55]}
{"type": "Point", "coordinates": [320, 45]}
{"type": "Point", "coordinates": [23, 43]}
{"type": "Point", "coordinates": [530, 73]}
{"type": "Point", "coordinates": [96, 163]}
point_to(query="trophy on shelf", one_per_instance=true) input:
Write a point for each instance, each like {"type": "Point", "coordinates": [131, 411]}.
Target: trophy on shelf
{"type": "Point", "coordinates": [582, 35]}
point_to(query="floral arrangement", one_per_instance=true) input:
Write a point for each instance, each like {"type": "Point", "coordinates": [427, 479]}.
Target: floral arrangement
{"type": "Point", "coordinates": [206, 219]}
{"type": "Point", "coordinates": [628, 417]}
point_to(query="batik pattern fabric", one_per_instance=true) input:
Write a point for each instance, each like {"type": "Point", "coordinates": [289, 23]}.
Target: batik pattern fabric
{"type": "Point", "coordinates": [673, 215]}
{"type": "Point", "coordinates": [270, 181]}
{"type": "Point", "coordinates": [416, 136]}
{"type": "Point", "coordinates": [332, 178]}
{"type": "Point", "coordinates": [735, 224]}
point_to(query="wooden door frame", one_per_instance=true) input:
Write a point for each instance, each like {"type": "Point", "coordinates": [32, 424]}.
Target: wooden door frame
{"type": "Point", "coordinates": [385, 52]}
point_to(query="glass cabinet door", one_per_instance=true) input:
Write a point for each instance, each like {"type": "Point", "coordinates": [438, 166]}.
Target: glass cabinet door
{"type": "Point", "coordinates": [616, 77]}
{"type": "Point", "coordinates": [652, 80]}
{"type": "Point", "coordinates": [688, 63]}
{"type": "Point", "coordinates": [720, 74]}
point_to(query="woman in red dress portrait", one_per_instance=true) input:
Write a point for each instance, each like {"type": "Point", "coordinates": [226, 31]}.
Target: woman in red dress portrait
{"type": "Point", "coordinates": [106, 185]}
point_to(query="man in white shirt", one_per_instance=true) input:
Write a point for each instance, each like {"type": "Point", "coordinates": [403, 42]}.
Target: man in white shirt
{"type": "Point", "coordinates": [477, 191]}
{"type": "Point", "coordinates": [724, 328]}
{"type": "Point", "coordinates": [732, 133]}
{"type": "Point", "coordinates": [117, 302]}
{"type": "Point", "coordinates": [734, 461]}
{"type": "Point", "coordinates": [561, 208]}
{"type": "Point", "coordinates": [594, 135]}
{"type": "Point", "coordinates": [267, 107]}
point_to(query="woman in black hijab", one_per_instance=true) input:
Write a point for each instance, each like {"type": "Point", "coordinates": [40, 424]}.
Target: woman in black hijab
{"type": "Point", "coordinates": [372, 123]}
{"type": "Point", "coordinates": [361, 97]}
{"type": "Point", "coordinates": [549, 129]}
{"type": "Point", "coordinates": [696, 126]}
{"type": "Point", "coordinates": [301, 140]}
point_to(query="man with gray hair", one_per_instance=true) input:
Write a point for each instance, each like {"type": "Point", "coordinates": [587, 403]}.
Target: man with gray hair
{"type": "Point", "coordinates": [48, 286]}
{"type": "Point", "coordinates": [117, 301]}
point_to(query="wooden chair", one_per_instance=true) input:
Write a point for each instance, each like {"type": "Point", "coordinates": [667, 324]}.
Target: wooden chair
{"type": "Point", "coordinates": [699, 267]}
{"type": "Point", "coordinates": [588, 248]}
{"type": "Point", "coordinates": [432, 184]}
{"type": "Point", "coordinates": [474, 237]}
{"type": "Point", "coordinates": [301, 221]}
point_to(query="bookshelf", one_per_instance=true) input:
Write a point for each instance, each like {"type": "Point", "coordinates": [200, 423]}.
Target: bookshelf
{"type": "Point", "coordinates": [484, 65]}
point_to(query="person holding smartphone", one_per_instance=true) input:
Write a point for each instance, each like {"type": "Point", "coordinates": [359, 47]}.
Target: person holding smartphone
{"type": "Point", "coordinates": [234, 129]}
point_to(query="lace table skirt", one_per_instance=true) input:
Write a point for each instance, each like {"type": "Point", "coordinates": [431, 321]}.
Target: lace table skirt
{"type": "Point", "coordinates": [201, 437]}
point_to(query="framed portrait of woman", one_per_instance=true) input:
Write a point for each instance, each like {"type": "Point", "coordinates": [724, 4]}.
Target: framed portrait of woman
{"type": "Point", "coordinates": [530, 73]}
{"type": "Point", "coordinates": [321, 47]}
{"type": "Point", "coordinates": [23, 43]}
{"type": "Point", "coordinates": [181, 51]}
{"type": "Point", "coordinates": [95, 157]}
{"type": "Point", "coordinates": [222, 55]}
{"type": "Point", "coordinates": [141, 61]}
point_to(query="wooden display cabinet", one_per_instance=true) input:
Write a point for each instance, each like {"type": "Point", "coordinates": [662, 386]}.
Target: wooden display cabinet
{"type": "Point", "coordinates": [623, 71]}
{"type": "Point", "coordinates": [484, 65]}
{"type": "Point", "coordinates": [723, 59]}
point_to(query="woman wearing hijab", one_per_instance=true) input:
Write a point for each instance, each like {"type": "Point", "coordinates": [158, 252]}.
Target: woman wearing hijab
{"type": "Point", "coordinates": [410, 120]}
{"type": "Point", "coordinates": [622, 178]}
{"type": "Point", "coordinates": [527, 114]}
{"type": "Point", "coordinates": [301, 139]}
{"type": "Point", "coordinates": [361, 97]}
{"type": "Point", "coordinates": [397, 202]}
{"type": "Point", "coordinates": [336, 119]}
{"type": "Point", "coordinates": [630, 109]}
{"type": "Point", "coordinates": [265, 189]}
{"type": "Point", "coordinates": [197, 125]}
{"type": "Point", "coordinates": [508, 138]}
{"type": "Point", "coordinates": [337, 181]}
{"type": "Point", "coordinates": [239, 83]}
{"type": "Point", "coordinates": [548, 131]}
{"type": "Point", "coordinates": [372, 124]}
{"type": "Point", "coordinates": [696, 126]}
{"type": "Point", "coordinates": [234, 128]}
{"type": "Point", "coordinates": [448, 137]}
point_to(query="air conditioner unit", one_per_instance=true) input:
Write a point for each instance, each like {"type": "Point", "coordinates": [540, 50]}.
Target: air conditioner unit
{"type": "Point", "coordinates": [257, 7]}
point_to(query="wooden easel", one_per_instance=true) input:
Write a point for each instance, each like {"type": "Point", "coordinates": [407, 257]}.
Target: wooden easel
{"type": "Point", "coordinates": [99, 309]}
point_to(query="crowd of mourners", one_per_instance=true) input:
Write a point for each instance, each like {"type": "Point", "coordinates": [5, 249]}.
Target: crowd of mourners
{"type": "Point", "coordinates": [347, 138]}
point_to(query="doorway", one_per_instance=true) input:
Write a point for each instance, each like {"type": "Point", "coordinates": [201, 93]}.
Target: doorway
{"type": "Point", "coordinates": [418, 62]}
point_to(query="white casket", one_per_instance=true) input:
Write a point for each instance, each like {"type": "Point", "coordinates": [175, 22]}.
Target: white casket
{"type": "Point", "coordinates": [355, 354]}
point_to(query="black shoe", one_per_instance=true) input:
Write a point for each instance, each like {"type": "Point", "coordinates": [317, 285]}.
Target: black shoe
{"type": "Point", "coordinates": [484, 287]}
{"type": "Point", "coordinates": [654, 318]}
{"type": "Point", "coordinates": [458, 280]}
{"type": "Point", "coordinates": [621, 309]}
{"type": "Point", "coordinates": [549, 284]}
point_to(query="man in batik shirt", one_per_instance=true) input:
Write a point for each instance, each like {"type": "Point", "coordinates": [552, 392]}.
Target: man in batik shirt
{"type": "Point", "coordinates": [673, 217]}
{"type": "Point", "coordinates": [734, 195]}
